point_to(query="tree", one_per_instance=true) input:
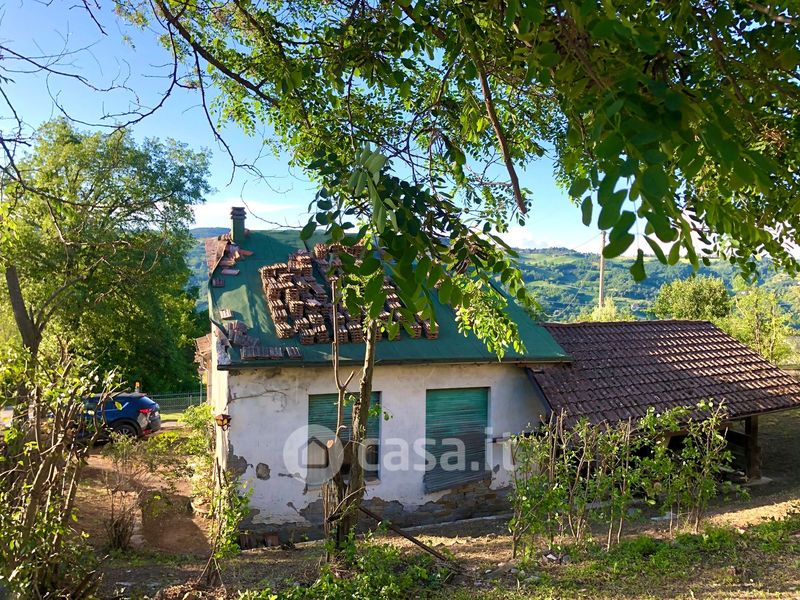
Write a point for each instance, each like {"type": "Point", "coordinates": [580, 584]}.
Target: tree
{"type": "Point", "coordinates": [753, 315]}
{"type": "Point", "coordinates": [695, 298]}
{"type": "Point", "coordinates": [758, 320]}
{"type": "Point", "coordinates": [635, 102]}
{"type": "Point", "coordinates": [145, 334]}
{"type": "Point", "coordinates": [606, 313]}
{"type": "Point", "coordinates": [681, 114]}
{"type": "Point", "coordinates": [94, 221]}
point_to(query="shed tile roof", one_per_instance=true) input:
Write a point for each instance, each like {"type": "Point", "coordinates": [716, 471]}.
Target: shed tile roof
{"type": "Point", "coordinates": [242, 294]}
{"type": "Point", "coordinates": [619, 370]}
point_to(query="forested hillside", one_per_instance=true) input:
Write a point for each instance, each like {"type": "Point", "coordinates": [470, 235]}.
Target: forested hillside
{"type": "Point", "coordinates": [565, 281]}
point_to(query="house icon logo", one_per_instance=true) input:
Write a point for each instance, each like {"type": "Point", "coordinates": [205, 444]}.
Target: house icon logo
{"type": "Point", "coordinates": [312, 454]}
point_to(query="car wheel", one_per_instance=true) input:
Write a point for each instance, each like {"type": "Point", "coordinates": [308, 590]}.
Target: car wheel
{"type": "Point", "coordinates": [126, 429]}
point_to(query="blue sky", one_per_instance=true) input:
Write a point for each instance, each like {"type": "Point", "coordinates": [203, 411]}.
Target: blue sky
{"type": "Point", "coordinates": [134, 58]}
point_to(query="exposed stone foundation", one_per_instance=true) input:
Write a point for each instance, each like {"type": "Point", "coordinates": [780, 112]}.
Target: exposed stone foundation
{"type": "Point", "coordinates": [471, 500]}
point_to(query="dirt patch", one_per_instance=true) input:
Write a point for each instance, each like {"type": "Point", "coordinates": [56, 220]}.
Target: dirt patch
{"type": "Point", "coordinates": [166, 522]}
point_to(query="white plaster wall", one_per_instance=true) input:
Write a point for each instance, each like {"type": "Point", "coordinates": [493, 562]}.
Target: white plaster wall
{"type": "Point", "coordinates": [218, 381]}
{"type": "Point", "coordinates": [267, 404]}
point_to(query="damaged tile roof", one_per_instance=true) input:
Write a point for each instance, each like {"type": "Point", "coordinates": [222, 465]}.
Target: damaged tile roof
{"type": "Point", "coordinates": [242, 298]}
{"type": "Point", "coordinates": [620, 370]}
{"type": "Point", "coordinates": [215, 250]}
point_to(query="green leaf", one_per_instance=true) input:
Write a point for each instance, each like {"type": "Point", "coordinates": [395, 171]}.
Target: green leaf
{"type": "Point", "coordinates": [617, 246]}
{"type": "Point", "coordinates": [369, 265]}
{"type": "Point", "coordinates": [615, 107]}
{"type": "Point", "coordinates": [657, 250]}
{"type": "Point", "coordinates": [373, 290]}
{"type": "Point", "coordinates": [308, 230]}
{"type": "Point", "coordinates": [421, 270]}
{"type": "Point", "coordinates": [661, 226]}
{"type": "Point", "coordinates": [360, 182]}
{"type": "Point", "coordinates": [604, 29]}
{"type": "Point", "coordinates": [719, 145]}
{"type": "Point", "coordinates": [623, 224]}
{"type": "Point", "coordinates": [375, 163]}
{"type": "Point", "coordinates": [435, 274]}
{"type": "Point", "coordinates": [586, 210]}
{"type": "Point", "coordinates": [610, 211]}
{"type": "Point", "coordinates": [578, 187]}
{"type": "Point", "coordinates": [512, 9]}
{"type": "Point", "coordinates": [445, 289]}
{"type": "Point", "coordinates": [674, 253]}
{"type": "Point", "coordinates": [550, 60]}
{"type": "Point", "coordinates": [637, 268]}
{"type": "Point", "coordinates": [610, 147]}
{"type": "Point", "coordinates": [654, 183]}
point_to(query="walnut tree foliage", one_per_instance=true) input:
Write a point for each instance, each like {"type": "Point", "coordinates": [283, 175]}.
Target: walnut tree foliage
{"type": "Point", "coordinates": [678, 117]}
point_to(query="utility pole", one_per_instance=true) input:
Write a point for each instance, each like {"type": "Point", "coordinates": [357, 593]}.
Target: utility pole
{"type": "Point", "coordinates": [602, 294]}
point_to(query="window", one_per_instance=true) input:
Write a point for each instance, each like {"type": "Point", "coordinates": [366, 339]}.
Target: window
{"type": "Point", "coordinates": [455, 427]}
{"type": "Point", "coordinates": [322, 421]}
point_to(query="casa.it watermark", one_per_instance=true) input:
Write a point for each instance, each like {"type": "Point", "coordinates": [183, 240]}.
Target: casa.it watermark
{"type": "Point", "coordinates": [315, 454]}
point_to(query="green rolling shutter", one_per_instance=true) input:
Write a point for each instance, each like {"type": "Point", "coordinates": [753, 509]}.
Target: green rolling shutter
{"type": "Point", "coordinates": [322, 413]}
{"type": "Point", "coordinates": [461, 413]}
{"type": "Point", "coordinates": [322, 421]}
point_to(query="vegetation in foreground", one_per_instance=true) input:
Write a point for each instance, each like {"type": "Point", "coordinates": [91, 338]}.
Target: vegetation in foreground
{"type": "Point", "coordinates": [719, 561]}
{"type": "Point", "coordinates": [727, 561]}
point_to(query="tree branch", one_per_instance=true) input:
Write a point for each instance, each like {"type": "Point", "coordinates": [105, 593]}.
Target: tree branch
{"type": "Point", "coordinates": [501, 137]}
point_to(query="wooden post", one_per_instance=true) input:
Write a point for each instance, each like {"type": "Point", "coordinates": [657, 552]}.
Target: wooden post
{"type": "Point", "coordinates": [601, 296]}
{"type": "Point", "coordinates": [752, 451]}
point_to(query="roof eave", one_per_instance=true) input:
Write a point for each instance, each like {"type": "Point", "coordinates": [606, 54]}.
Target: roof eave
{"type": "Point", "coordinates": [519, 361]}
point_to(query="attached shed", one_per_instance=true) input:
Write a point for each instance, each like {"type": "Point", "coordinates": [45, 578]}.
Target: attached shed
{"type": "Point", "coordinates": [620, 370]}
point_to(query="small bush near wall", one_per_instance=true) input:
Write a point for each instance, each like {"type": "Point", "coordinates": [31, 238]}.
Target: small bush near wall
{"type": "Point", "coordinates": [368, 570]}
{"type": "Point", "coordinates": [569, 479]}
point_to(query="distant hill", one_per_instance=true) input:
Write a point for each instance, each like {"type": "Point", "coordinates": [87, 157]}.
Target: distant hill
{"type": "Point", "coordinates": [196, 259]}
{"type": "Point", "coordinates": [564, 281]}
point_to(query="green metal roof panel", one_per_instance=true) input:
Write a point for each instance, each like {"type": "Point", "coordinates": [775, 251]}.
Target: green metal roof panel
{"type": "Point", "coordinates": [243, 295]}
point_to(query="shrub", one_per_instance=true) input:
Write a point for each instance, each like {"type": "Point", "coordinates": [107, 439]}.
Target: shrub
{"type": "Point", "coordinates": [368, 570]}
{"type": "Point", "coordinates": [566, 478]}
{"type": "Point", "coordinates": [40, 465]}
{"type": "Point", "coordinates": [125, 485]}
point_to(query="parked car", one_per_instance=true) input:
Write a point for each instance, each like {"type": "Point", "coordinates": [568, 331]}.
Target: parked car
{"type": "Point", "coordinates": [131, 414]}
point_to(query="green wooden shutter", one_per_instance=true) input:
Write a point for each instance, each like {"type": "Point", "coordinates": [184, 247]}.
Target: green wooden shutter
{"type": "Point", "coordinates": [322, 413]}
{"type": "Point", "coordinates": [461, 413]}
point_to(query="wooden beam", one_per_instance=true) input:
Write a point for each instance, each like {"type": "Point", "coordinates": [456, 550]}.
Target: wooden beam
{"type": "Point", "coordinates": [752, 451]}
{"type": "Point", "coordinates": [737, 438]}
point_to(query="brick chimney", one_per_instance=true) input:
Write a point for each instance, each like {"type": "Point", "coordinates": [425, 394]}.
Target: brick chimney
{"type": "Point", "coordinates": [237, 224]}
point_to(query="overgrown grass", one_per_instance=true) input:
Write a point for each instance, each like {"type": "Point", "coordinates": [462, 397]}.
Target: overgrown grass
{"type": "Point", "coordinates": [171, 416]}
{"type": "Point", "coordinates": [144, 558]}
{"type": "Point", "coordinates": [647, 567]}
{"type": "Point", "coordinates": [367, 571]}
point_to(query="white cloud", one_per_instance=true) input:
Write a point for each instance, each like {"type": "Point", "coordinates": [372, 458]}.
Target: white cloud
{"type": "Point", "coordinates": [217, 213]}
{"type": "Point", "coordinates": [521, 237]}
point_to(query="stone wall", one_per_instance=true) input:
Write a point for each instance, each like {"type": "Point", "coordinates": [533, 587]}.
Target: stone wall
{"type": "Point", "coordinates": [476, 499]}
